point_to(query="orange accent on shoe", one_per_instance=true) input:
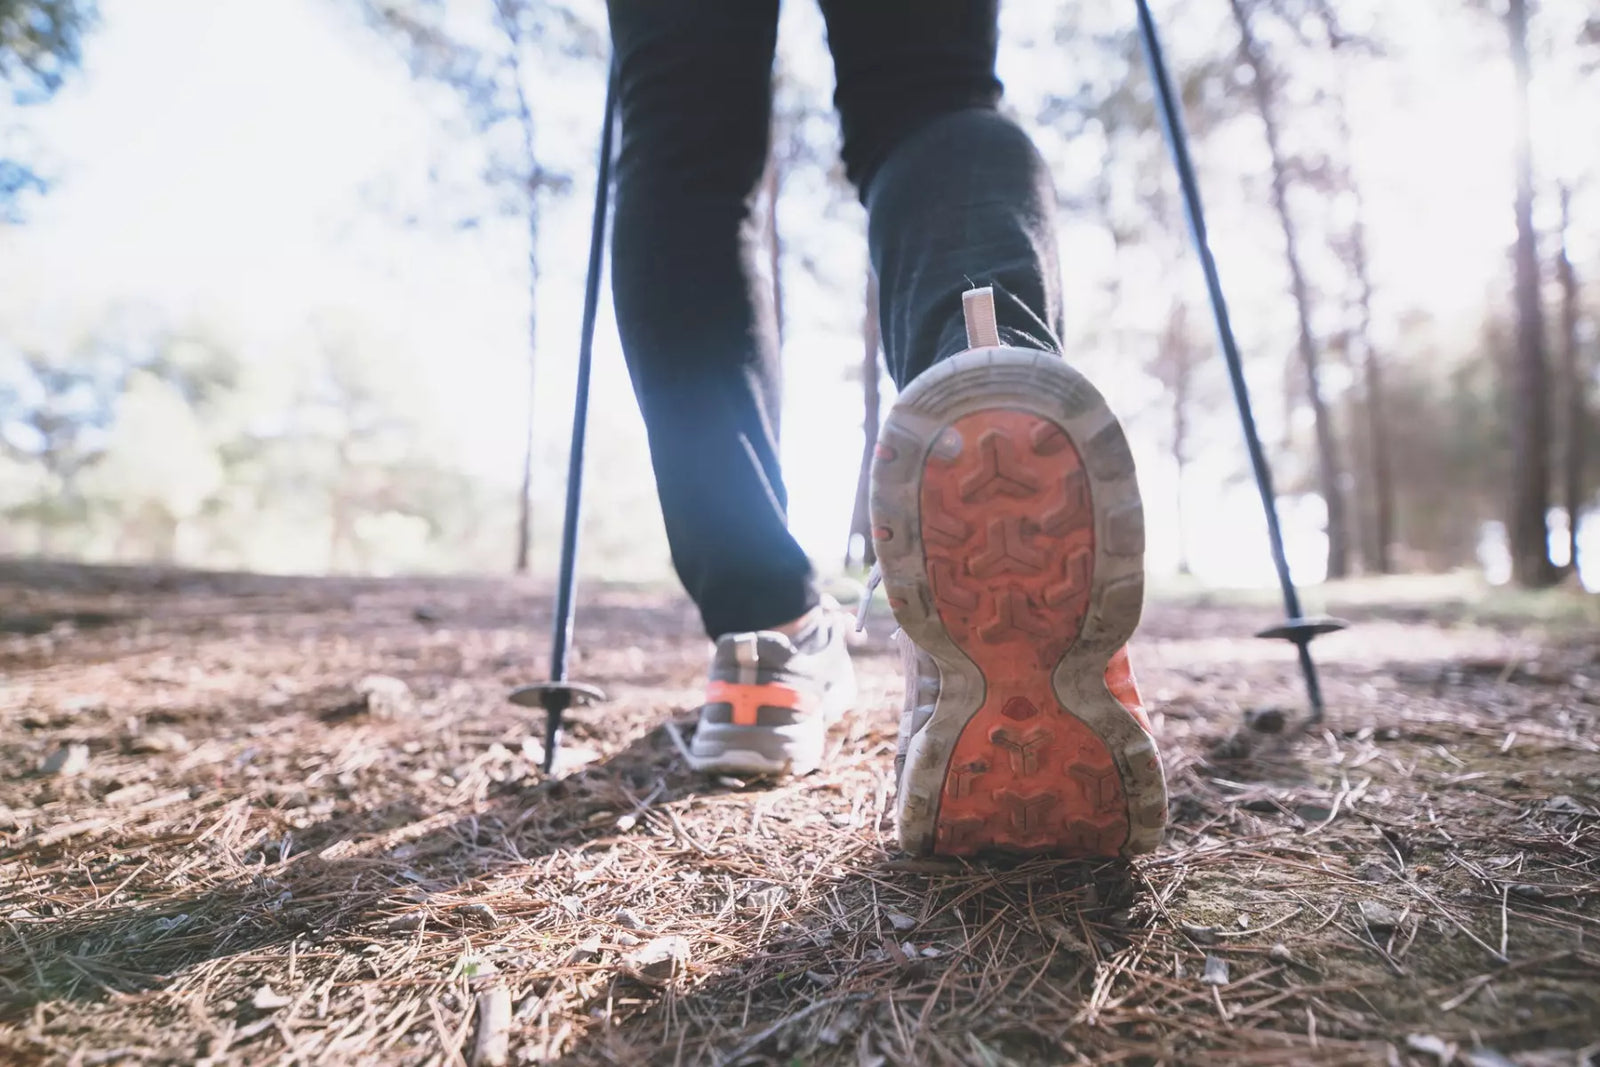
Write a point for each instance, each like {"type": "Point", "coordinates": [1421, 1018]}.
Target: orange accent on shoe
{"type": "Point", "coordinates": [1008, 535]}
{"type": "Point", "coordinates": [746, 701]}
{"type": "Point", "coordinates": [1123, 686]}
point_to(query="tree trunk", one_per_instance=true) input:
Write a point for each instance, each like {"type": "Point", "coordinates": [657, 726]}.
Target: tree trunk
{"type": "Point", "coordinates": [861, 519]}
{"type": "Point", "coordinates": [341, 523]}
{"type": "Point", "coordinates": [525, 492]}
{"type": "Point", "coordinates": [1330, 477]}
{"type": "Point", "coordinates": [1530, 411]}
{"type": "Point", "coordinates": [1382, 461]}
{"type": "Point", "coordinates": [533, 181]}
{"type": "Point", "coordinates": [1179, 357]}
{"type": "Point", "coordinates": [1381, 470]}
{"type": "Point", "coordinates": [1576, 385]}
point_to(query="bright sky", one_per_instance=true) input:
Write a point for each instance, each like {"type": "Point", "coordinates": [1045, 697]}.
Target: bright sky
{"type": "Point", "coordinates": [221, 158]}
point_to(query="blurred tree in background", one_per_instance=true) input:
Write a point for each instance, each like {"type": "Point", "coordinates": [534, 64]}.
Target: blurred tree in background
{"type": "Point", "coordinates": [39, 42]}
{"type": "Point", "coordinates": [1131, 192]}
{"type": "Point", "coordinates": [489, 53]}
{"type": "Point", "coordinates": [1268, 90]}
{"type": "Point", "coordinates": [1349, 56]}
{"type": "Point", "coordinates": [39, 47]}
{"type": "Point", "coordinates": [56, 419]}
{"type": "Point", "coordinates": [181, 436]}
{"type": "Point", "coordinates": [1530, 388]}
{"type": "Point", "coordinates": [1577, 374]}
{"type": "Point", "coordinates": [146, 442]}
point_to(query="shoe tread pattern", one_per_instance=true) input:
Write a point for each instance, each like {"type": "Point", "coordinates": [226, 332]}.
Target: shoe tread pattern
{"type": "Point", "coordinates": [1026, 774]}
{"type": "Point", "coordinates": [1028, 537]}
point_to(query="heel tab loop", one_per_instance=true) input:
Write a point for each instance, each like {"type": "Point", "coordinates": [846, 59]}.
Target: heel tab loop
{"type": "Point", "coordinates": [977, 310]}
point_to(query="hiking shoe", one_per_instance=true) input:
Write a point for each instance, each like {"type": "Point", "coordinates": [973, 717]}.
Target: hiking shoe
{"type": "Point", "coordinates": [1009, 529]}
{"type": "Point", "coordinates": [771, 699]}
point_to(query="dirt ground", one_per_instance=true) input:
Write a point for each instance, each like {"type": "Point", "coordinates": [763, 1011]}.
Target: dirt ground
{"type": "Point", "coordinates": [253, 820]}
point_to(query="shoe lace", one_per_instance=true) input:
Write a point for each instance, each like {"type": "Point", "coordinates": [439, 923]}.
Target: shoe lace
{"type": "Point", "coordinates": [874, 579]}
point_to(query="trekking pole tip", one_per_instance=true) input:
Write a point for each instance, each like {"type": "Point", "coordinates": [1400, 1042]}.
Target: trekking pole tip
{"type": "Point", "coordinates": [555, 698]}
{"type": "Point", "coordinates": [1300, 632]}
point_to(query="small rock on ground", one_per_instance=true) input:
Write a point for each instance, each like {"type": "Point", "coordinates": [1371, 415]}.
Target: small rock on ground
{"type": "Point", "coordinates": [66, 760]}
{"type": "Point", "coordinates": [658, 961]}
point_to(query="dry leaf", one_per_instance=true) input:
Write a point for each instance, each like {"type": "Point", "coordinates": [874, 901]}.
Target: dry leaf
{"type": "Point", "coordinates": [266, 999]}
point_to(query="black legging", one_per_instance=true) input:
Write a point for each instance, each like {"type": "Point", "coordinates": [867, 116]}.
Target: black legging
{"type": "Point", "coordinates": [956, 196]}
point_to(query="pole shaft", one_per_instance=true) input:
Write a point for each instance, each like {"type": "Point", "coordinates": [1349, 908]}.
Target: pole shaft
{"type": "Point", "coordinates": [566, 583]}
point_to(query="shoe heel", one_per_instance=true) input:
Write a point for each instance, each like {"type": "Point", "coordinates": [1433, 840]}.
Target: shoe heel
{"type": "Point", "coordinates": [1010, 532]}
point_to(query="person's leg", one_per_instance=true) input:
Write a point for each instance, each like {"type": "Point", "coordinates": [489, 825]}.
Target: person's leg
{"type": "Point", "coordinates": [957, 196]}
{"type": "Point", "coordinates": [694, 310]}
{"type": "Point", "coordinates": [1005, 507]}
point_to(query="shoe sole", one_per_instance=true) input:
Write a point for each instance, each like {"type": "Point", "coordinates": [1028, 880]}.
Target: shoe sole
{"type": "Point", "coordinates": [743, 757]}
{"type": "Point", "coordinates": [1007, 520]}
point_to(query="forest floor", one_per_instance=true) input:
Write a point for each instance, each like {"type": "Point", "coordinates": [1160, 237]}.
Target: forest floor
{"type": "Point", "coordinates": [253, 820]}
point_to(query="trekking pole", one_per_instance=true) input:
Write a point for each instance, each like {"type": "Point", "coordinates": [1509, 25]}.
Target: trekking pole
{"type": "Point", "coordinates": [560, 693]}
{"type": "Point", "coordinates": [1296, 629]}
